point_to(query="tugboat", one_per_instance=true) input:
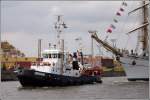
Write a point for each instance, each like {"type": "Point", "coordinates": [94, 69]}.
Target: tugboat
{"type": "Point", "coordinates": [58, 68]}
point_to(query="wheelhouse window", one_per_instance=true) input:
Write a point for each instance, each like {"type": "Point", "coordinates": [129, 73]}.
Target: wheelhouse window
{"type": "Point", "coordinates": [45, 55]}
{"type": "Point", "coordinates": [55, 55]}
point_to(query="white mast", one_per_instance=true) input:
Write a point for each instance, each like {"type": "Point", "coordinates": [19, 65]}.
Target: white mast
{"type": "Point", "coordinates": [59, 26]}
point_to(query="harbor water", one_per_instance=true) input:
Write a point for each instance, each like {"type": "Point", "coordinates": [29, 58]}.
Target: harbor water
{"type": "Point", "coordinates": [111, 88]}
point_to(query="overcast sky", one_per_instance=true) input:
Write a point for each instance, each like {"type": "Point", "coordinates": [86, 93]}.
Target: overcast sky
{"type": "Point", "coordinates": [24, 22]}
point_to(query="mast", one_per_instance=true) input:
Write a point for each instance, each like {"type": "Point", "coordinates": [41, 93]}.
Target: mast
{"type": "Point", "coordinates": [145, 30]}
{"type": "Point", "coordinates": [143, 26]}
{"type": "Point", "coordinates": [62, 56]}
{"type": "Point", "coordinates": [59, 26]}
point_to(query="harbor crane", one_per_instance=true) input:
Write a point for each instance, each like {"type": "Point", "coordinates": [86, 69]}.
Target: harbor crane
{"type": "Point", "coordinates": [105, 44]}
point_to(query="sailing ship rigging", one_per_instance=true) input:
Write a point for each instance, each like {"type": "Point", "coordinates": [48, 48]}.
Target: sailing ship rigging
{"type": "Point", "coordinates": [136, 66]}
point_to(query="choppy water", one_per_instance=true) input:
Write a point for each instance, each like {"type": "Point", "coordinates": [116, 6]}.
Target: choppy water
{"type": "Point", "coordinates": [111, 88]}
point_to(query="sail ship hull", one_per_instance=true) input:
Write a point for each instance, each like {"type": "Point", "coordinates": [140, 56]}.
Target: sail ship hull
{"type": "Point", "coordinates": [34, 78]}
{"type": "Point", "coordinates": [137, 71]}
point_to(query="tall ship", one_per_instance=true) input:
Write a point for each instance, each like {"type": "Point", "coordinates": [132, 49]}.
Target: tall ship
{"type": "Point", "coordinates": [57, 67]}
{"type": "Point", "coordinates": [136, 65]}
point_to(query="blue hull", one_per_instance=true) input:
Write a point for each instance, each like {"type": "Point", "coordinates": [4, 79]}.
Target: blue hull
{"type": "Point", "coordinates": [38, 79]}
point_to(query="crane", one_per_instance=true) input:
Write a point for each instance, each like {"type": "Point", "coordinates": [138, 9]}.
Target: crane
{"type": "Point", "coordinates": [106, 45]}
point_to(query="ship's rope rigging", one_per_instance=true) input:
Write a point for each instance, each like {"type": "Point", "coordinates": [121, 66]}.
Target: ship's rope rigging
{"type": "Point", "coordinates": [125, 24]}
{"type": "Point", "coordinates": [105, 41]}
{"type": "Point", "coordinates": [129, 37]}
{"type": "Point", "coordinates": [117, 18]}
{"type": "Point", "coordinates": [127, 42]}
{"type": "Point", "coordinates": [140, 35]}
{"type": "Point", "coordinates": [122, 28]}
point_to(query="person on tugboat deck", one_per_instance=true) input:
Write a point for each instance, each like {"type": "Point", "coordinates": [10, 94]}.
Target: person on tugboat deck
{"type": "Point", "coordinates": [75, 61]}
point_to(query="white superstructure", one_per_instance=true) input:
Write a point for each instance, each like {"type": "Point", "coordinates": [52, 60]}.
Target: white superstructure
{"type": "Point", "coordinates": [51, 63]}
